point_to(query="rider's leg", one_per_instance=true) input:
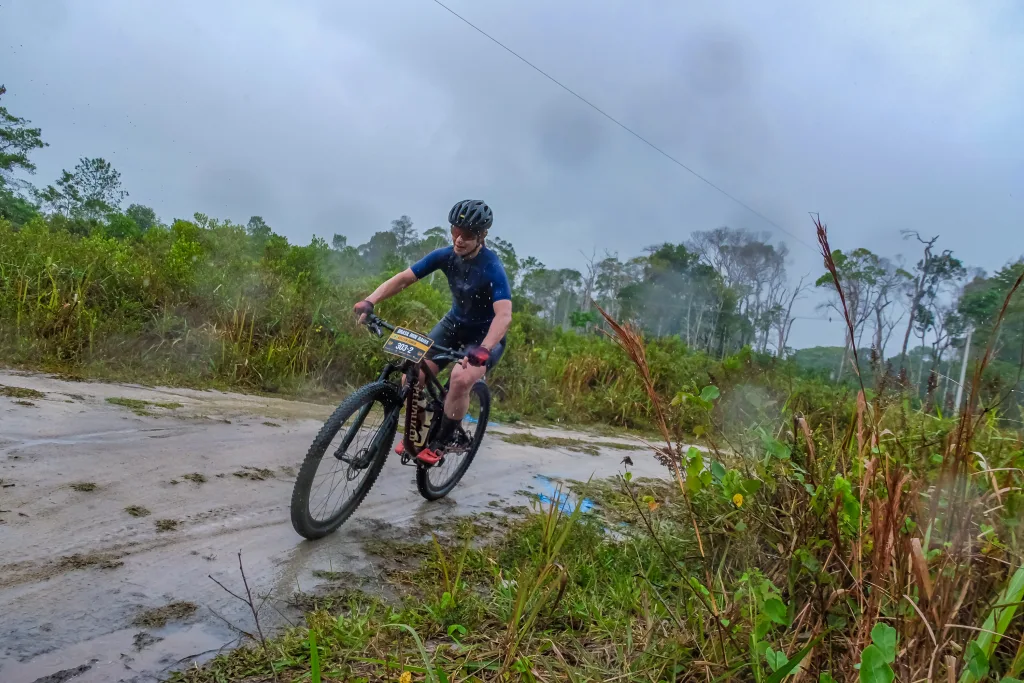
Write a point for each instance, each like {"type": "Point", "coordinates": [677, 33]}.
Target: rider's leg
{"type": "Point", "coordinates": [456, 403]}
{"type": "Point", "coordinates": [463, 378]}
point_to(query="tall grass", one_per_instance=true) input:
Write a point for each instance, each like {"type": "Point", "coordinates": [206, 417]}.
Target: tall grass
{"type": "Point", "coordinates": [883, 548]}
{"type": "Point", "coordinates": [204, 303]}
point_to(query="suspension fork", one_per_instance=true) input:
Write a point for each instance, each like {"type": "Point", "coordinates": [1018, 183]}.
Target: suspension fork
{"type": "Point", "coordinates": [357, 423]}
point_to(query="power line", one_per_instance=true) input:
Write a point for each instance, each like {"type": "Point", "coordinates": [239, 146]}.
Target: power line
{"type": "Point", "coordinates": [618, 123]}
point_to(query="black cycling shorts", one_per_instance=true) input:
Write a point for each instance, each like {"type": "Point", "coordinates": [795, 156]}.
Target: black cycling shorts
{"type": "Point", "coordinates": [457, 337]}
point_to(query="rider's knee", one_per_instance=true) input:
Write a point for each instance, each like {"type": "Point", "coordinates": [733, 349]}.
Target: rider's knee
{"type": "Point", "coordinates": [462, 381]}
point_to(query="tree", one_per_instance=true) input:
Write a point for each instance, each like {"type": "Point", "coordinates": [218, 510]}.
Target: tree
{"type": "Point", "coordinates": [91, 192]}
{"type": "Point", "coordinates": [100, 186]}
{"type": "Point", "coordinates": [507, 253]}
{"type": "Point", "coordinates": [64, 198]}
{"type": "Point", "coordinates": [380, 250]}
{"type": "Point", "coordinates": [17, 141]}
{"type": "Point", "coordinates": [612, 276]}
{"type": "Point", "coordinates": [555, 292]}
{"type": "Point", "coordinates": [979, 306]}
{"type": "Point", "coordinates": [345, 260]}
{"type": "Point", "coordinates": [15, 208]}
{"type": "Point", "coordinates": [676, 293]}
{"type": "Point", "coordinates": [931, 272]}
{"type": "Point", "coordinates": [860, 272]}
{"type": "Point", "coordinates": [405, 234]}
{"type": "Point", "coordinates": [258, 229]}
{"type": "Point", "coordinates": [892, 280]}
{"type": "Point", "coordinates": [933, 312]}
{"type": "Point", "coordinates": [121, 226]}
{"type": "Point", "coordinates": [782, 315]}
{"type": "Point", "coordinates": [144, 217]}
{"type": "Point", "coordinates": [754, 270]}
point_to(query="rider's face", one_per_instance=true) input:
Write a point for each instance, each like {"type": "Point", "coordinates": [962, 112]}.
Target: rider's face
{"type": "Point", "coordinates": [464, 241]}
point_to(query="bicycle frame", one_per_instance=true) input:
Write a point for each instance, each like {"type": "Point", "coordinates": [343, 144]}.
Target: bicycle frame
{"type": "Point", "coordinates": [411, 371]}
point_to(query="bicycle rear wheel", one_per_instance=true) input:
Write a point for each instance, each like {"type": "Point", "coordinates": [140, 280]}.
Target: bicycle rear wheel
{"type": "Point", "coordinates": [437, 481]}
{"type": "Point", "coordinates": [370, 420]}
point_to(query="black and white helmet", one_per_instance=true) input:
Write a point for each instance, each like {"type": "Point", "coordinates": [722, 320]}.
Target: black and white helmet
{"type": "Point", "coordinates": [471, 214]}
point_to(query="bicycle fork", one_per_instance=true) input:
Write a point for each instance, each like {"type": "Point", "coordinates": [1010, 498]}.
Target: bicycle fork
{"type": "Point", "coordinates": [388, 426]}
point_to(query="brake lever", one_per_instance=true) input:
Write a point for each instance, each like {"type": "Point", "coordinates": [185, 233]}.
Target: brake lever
{"type": "Point", "coordinates": [375, 329]}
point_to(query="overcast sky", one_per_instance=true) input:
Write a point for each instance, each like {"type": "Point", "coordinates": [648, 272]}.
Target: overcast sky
{"type": "Point", "coordinates": [327, 117]}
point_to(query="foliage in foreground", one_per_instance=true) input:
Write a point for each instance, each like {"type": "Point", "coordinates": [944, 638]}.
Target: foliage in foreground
{"type": "Point", "coordinates": [883, 547]}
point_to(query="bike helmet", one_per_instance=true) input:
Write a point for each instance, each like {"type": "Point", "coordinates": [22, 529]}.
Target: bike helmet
{"type": "Point", "coordinates": [471, 214]}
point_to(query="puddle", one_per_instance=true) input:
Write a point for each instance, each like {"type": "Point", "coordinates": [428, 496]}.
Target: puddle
{"type": "Point", "coordinates": [565, 498]}
{"type": "Point", "coordinates": [127, 655]}
{"type": "Point", "coordinates": [75, 440]}
{"type": "Point", "coordinates": [76, 615]}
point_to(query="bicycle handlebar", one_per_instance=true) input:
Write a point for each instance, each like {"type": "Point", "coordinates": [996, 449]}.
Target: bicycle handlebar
{"type": "Point", "coordinates": [375, 322]}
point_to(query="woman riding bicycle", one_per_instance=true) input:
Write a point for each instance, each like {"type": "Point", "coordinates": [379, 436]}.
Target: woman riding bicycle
{"type": "Point", "coordinates": [480, 315]}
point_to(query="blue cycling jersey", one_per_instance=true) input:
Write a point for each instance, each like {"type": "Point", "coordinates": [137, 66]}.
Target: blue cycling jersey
{"type": "Point", "coordinates": [475, 283]}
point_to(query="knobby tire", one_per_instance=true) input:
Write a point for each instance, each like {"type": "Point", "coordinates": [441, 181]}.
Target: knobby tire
{"type": "Point", "coordinates": [303, 522]}
{"type": "Point", "coordinates": [429, 490]}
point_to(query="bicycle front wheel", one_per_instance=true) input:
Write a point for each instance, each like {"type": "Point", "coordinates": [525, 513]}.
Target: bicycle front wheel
{"type": "Point", "coordinates": [344, 460]}
{"type": "Point", "coordinates": [437, 481]}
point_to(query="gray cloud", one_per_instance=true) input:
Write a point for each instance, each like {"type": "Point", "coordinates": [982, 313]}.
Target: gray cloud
{"type": "Point", "coordinates": [331, 117]}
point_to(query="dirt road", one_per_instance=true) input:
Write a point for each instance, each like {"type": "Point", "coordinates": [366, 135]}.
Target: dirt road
{"type": "Point", "coordinates": [206, 474]}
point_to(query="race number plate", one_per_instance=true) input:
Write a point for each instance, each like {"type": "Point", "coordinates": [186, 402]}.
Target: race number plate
{"type": "Point", "coordinates": [408, 344]}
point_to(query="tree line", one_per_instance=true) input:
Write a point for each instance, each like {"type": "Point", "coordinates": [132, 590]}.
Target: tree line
{"type": "Point", "coordinates": [719, 291]}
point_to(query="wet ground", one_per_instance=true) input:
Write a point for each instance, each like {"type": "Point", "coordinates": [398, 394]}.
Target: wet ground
{"type": "Point", "coordinates": [117, 499]}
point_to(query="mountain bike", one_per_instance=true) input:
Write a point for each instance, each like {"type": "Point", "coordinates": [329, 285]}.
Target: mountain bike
{"type": "Point", "coordinates": [370, 418]}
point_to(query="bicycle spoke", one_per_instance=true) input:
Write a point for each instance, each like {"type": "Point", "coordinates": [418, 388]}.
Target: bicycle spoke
{"type": "Point", "coordinates": [359, 436]}
{"type": "Point", "coordinates": [441, 474]}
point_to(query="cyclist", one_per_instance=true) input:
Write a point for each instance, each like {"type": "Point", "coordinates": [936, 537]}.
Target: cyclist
{"type": "Point", "coordinates": [480, 315]}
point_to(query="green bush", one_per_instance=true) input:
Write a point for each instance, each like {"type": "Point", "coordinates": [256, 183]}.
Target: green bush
{"type": "Point", "coordinates": [206, 302]}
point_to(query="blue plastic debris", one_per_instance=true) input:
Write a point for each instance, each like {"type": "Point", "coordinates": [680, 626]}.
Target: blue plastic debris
{"type": "Point", "coordinates": [472, 420]}
{"type": "Point", "coordinates": [564, 498]}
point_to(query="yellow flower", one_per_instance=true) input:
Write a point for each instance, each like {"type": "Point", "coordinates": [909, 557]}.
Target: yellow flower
{"type": "Point", "coordinates": [737, 500]}
{"type": "Point", "coordinates": [406, 677]}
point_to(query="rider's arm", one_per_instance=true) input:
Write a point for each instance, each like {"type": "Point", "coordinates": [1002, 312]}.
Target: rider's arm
{"type": "Point", "coordinates": [501, 292]}
{"type": "Point", "coordinates": [392, 286]}
{"type": "Point", "coordinates": [500, 324]}
{"type": "Point", "coordinates": [417, 271]}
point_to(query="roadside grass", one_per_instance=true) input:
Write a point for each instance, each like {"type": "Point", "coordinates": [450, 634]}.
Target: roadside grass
{"type": "Point", "coordinates": [141, 407]}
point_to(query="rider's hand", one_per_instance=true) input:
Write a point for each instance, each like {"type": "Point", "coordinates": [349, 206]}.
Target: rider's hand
{"type": "Point", "coordinates": [363, 309]}
{"type": "Point", "coordinates": [477, 355]}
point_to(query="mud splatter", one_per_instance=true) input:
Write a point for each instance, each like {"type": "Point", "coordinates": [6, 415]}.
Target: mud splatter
{"type": "Point", "coordinates": [159, 616]}
{"type": "Point", "coordinates": [569, 444]}
{"type": "Point", "coordinates": [254, 473]}
{"type": "Point", "coordinates": [20, 392]}
{"type": "Point", "coordinates": [142, 640]}
{"type": "Point", "coordinates": [86, 560]}
{"type": "Point", "coordinates": [139, 406]}
{"type": "Point", "coordinates": [65, 675]}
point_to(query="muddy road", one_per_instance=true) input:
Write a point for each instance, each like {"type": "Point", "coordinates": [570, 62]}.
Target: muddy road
{"type": "Point", "coordinates": [118, 500]}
